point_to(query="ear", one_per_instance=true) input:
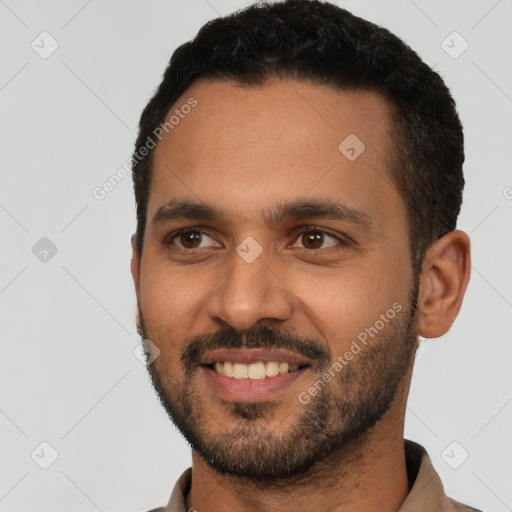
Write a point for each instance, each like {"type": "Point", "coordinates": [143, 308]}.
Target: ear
{"type": "Point", "coordinates": [135, 269]}
{"type": "Point", "coordinates": [135, 265]}
{"type": "Point", "coordinates": [444, 278]}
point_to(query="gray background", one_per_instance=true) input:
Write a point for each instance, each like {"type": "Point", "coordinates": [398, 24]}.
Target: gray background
{"type": "Point", "coordinates": [68, 373]}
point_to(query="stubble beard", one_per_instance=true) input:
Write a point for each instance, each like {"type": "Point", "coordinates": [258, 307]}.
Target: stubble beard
{"type": "Point", "coordinates": [249, 444]}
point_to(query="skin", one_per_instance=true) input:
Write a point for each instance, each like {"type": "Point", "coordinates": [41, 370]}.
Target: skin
{"type": "Point", "coordinates": [244, 150]}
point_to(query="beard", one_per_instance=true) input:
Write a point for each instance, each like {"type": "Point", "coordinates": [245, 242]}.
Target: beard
{"type": "Point", "coordinates": [248, 444]}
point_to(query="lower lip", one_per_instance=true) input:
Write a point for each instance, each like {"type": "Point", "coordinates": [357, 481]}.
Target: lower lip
{"type": "Point", "coordinates": [249, 390]}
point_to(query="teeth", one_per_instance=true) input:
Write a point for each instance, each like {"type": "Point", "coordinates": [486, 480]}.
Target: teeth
{"type": "Point", "coordinates": [254, 371]}
{"type": "Point", "coordinates": [257, 371]}
{"type": "Point", "coordinates": [229, 370]}
{"type": "Point", "coordinates": [219, 368]}
{"type": "Point", "coordinates": [240, 371]}
{"type": "Point", "coordinates": [272, 368]}
{"type": "Point", "coordinates": [284, 367]}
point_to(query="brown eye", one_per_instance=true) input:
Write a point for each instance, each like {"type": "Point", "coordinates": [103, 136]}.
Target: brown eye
{"type": "Point", "coordinates": [190, 240]}
{"type": "Point", "coordinates": [316, 239]}
{"type": "Point", "coordinates": [312, 240]}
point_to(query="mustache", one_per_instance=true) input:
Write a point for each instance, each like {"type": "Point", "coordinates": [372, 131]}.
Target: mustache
{"type": "Point", "coordinates": [263, 337]}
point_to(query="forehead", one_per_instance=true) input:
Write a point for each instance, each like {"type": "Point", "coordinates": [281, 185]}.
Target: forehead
{"type": "Point", "coordinates": [242, 147]}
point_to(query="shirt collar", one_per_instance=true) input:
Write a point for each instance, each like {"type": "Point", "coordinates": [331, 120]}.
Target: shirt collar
{"type": "Point", "coordinates": [426, 495]}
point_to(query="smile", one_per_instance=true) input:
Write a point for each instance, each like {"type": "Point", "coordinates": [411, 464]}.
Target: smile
{"type": "Point", "coordinates": [251, 374]}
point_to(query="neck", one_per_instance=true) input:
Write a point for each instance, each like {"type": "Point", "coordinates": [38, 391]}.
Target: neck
{"type": "Point", "coordinates": [368, 474]}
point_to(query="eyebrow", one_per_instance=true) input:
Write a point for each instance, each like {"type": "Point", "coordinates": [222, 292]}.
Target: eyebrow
{"type": "Point", "coordinates": [309, 209]}
{"type": "Point", "coordinates": [295, 210]}
{"type": "Point", "coordinates": [182, 210]}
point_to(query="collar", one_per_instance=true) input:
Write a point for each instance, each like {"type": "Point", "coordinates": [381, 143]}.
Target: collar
{"type": "Point", "coordinates": [426, 495]}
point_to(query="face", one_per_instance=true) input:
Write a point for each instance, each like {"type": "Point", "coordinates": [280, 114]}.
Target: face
{"type": "Point", "coordinates": [275, 277]}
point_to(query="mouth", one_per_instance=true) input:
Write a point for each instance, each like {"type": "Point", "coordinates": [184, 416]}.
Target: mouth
{"type": "Point", "coordinates": [251, 374]}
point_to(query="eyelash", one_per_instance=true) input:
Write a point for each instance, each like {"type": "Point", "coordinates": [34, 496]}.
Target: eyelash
{"type": "Point", "coordinates": [303, 230]}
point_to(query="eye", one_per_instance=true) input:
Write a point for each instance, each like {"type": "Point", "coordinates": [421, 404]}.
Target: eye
{"type": "Point", "coordinates": [191, 239]}
{"type": "Point", "coordinates": [313, 238]}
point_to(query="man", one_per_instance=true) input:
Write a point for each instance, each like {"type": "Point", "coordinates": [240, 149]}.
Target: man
{"type": "Point", "coordinates": [298, 177]}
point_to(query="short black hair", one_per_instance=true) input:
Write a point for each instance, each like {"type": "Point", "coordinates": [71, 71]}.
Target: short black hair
{"type": "Point", "coordinates": [320, 43]}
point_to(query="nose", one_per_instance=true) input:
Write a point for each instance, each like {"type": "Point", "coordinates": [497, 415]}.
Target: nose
{"type": "Point", "coordinates": [249, 293]}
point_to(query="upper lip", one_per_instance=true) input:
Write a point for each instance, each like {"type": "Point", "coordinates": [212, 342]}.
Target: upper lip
{"type": "Point", "coordinates": [254, 355]}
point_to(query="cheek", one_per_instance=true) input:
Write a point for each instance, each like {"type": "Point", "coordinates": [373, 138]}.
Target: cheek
{"type": "Point", "coordinates": [343, 305]}
{"type": "Point", "coordinates": [168, 301]}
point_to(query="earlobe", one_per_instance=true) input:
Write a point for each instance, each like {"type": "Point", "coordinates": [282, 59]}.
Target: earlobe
{"type": "Point", "coordinates": [135, 270]}
{"type": "Point", "coordinates": [443, 282]}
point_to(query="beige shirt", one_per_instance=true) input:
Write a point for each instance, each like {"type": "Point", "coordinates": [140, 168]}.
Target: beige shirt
{"type": "Point", "coordinates": [426, 495]}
